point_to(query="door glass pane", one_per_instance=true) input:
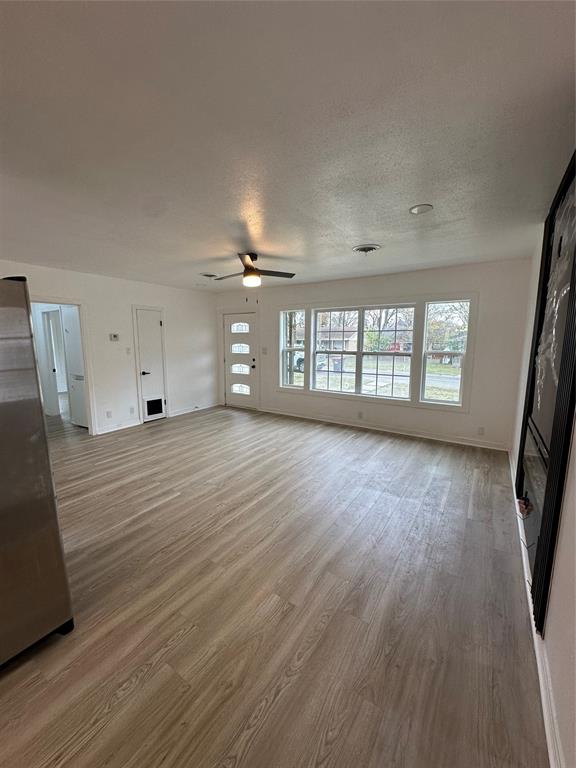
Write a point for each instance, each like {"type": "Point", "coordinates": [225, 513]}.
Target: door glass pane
{"type": "Point", "coordinates": [240, 368]}
{"type": "Point", "coordinates": [240, 328]}
{"type": "Point", "coordinates": [241, 389]}
{"type": "Point", "coordinates": [240, 349]}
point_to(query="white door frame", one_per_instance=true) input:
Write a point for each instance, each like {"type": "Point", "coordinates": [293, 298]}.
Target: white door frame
{"type": "Point", "coordinates": [86, 351]}
{"type": "Point", "coordinates": [222, 351]}
{"type": "Point", "coordinates": [137, 369]}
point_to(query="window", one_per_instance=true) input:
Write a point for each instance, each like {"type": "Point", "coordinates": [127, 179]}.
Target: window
{"type": "Point", "coordinates": [240, 349]}
{"type": "Point", "coordinates": [240, 328]}
{"type": "Point", "coordinates": [387, 351]}
{"type": "Point", "coordinates": [364, 351]}
{"type": "Point", "coordinates": [445, 341]}
{"type": "Point", "coordinates": [370, 351]}
{"type": "Point", "coordinates": [292, 341]}
{"type": "Point", "coordinates": [240, 368]}
{"type": "Point", "coordinates": [336, 333]}
{"type": "Point", "coordinates": [240, 389]}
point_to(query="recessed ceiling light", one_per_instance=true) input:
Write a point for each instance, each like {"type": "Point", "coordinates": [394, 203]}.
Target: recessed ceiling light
{"type": "Point", "coordinates": [366, 248]}
{"type": "Point", "coordinates": [421, 208]}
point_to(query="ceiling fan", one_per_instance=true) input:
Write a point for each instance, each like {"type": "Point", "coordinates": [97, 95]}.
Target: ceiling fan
{"type": "Point", "coordinates": [251, 275]}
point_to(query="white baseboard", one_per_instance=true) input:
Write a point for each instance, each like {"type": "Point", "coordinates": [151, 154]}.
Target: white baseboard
{"type": "Point", "coordinates": [390, 430]}
{"type": "Point", "coordinates": [118, 427]}
{"type": "Point", "coordinates": [169, 415]}
{"type": "Point", "coordinates": [190, 409]}
{"type": "Point", "coordinates": [553, 742]}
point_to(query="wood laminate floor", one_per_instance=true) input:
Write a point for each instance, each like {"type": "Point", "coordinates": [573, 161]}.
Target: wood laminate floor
{"type": "Point", "coordinates": [259, 591]}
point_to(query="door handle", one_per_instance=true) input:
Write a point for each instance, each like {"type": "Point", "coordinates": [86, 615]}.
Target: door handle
{"type": "Point", "coordinates": [144, 373]}
{"type": "Point", "coordinates": [252, 366]}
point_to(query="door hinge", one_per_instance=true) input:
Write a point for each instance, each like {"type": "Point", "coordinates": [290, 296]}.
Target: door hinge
{"type": "Point", "coordinates": [160, 322]}
{"type": "Point", "coordinates": [164, 401]}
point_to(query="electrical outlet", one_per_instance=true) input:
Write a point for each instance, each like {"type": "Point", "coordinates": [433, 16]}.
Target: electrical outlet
{"type": "Point", "coordinates": [131, 410]}
{"type": "Point", "coordinates": [108, 414]}
{"type": "Point", "coordinates": [480, 430]}
{"type": "Point", "coordinates": [360, 415]}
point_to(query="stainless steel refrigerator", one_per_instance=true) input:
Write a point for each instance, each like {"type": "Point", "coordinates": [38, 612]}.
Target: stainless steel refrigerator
{"type": "Point", "coordinates": [34, 593]}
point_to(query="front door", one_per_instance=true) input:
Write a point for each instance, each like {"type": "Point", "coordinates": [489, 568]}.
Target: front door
{"type": "Point", "coordinates": [241, 360]}
{"type": "Point", "coordinates": [151, 363]}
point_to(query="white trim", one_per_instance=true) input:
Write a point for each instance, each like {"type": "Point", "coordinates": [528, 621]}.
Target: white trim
{"type": "Point", "coordinates": [119, 427]}
{"type": "Point", "coordinates": [191, 409]}
{"type": "Point", "coordinates": [379, 400]}
{"type": "Point", "coordinates": [389, 430]}
{"type": "Point", "coordinates": [551, 727]}
{"type": "Point", "coordinates": [179, 412]}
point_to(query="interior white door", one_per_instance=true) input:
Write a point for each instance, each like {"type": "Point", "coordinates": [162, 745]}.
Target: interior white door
{"type": "Point", "coordinates": [47, 367]}
{"type": "Point", "coordinates": [151, 361]}
{"type": "Point", "coordinates": [74, 364]}
{"type": "Point", "coordinates": [241, 360]}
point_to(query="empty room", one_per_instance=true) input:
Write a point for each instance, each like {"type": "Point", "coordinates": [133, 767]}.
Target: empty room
{"type": "Point", "coordinates": [287, 384]}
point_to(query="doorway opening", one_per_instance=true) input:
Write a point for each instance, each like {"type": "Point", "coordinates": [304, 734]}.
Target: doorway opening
{"type": "Point", "coordinates": [60, 356]}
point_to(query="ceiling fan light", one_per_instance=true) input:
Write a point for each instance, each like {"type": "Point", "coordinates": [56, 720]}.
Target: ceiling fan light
{"type": "Point", "coordinates": [251, 280]}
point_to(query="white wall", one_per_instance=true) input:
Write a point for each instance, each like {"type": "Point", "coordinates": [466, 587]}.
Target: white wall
{"type": "Point", "coordinates": [560, 630]}
{"type": "Point", "coordinates": [190, 331]}
{"type": "Point", "coordinates": [497, 337]}
{"type": "Point", "coordinates": [556, 652]}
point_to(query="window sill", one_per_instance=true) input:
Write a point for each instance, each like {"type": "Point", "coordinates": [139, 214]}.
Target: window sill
{"type": "Point", "coordinates": [451, 407]}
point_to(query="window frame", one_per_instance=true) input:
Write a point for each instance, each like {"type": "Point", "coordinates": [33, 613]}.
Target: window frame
{"type": "Point", "coordinates": [419, 303]}
{"type": "Point", "coordinates": [285, 350]}
{"type": "Point", "coordinates": [463, 355]}
{"type": "Point", "coordinates": [359, 352]}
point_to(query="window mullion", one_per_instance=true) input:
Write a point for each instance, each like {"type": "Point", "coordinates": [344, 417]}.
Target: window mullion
{"type": "Point", "coordinates": [309, 357]}
{"type": "Point", "coordinates": [359, 348]}
{"type": "Point", "coordinates": [417, 358]}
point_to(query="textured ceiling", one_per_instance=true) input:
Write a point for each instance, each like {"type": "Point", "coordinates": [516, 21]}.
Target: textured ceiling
{"type": "Point", "coordinates": [152, 140]}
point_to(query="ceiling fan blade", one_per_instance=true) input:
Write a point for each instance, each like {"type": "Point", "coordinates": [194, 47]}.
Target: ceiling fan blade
{"type": "Point", "coordinates": [273, 273]}
{"type": "Point", "coordinates": [246, 259]}
{"type": "Point", "coordinates": [236, 274]}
